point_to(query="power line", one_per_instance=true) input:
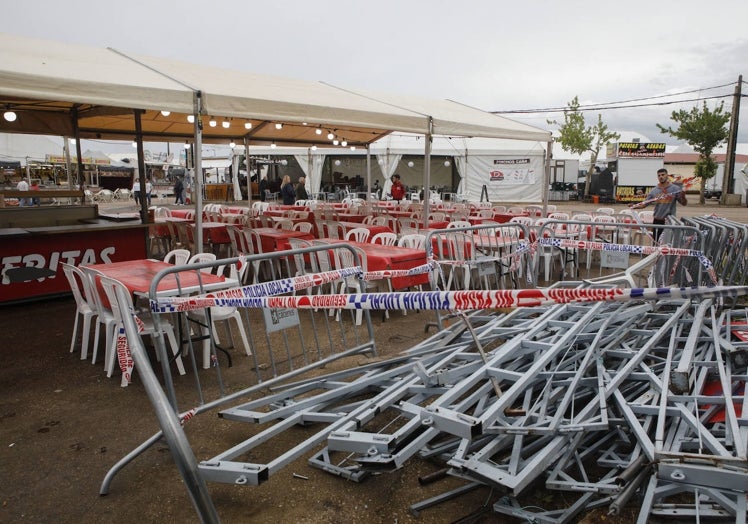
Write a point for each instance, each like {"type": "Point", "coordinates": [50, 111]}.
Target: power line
{"type": "Point", "coordinates": [600, 108]}
{"type": "Point", "coordinates": [622, 104]}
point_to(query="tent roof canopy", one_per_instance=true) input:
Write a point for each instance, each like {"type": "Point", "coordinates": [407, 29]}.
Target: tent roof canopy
{"type": "Point", "coordinates": [57, 88]}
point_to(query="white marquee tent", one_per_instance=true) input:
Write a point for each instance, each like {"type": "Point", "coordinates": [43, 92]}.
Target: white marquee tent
{"type": "Point", "coordinates": [510, 170]}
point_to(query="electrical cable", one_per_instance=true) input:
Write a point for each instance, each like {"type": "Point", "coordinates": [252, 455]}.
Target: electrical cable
{"type": "Point", "coordinates": [618, 104]}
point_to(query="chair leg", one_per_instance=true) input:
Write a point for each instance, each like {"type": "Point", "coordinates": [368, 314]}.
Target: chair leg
{"type": "Point", "coordinates": [113, 357]}
{"type": "Point", "coordinates": [95, 350]}
{"type": "Point", "coordinates": [85, 335]}
{"type": "Point", "coordinates": [169, 330]}
{"type": "Point", "coordinates": [75, 332]}
{"type": "Point", "coordinates": [240, 327]}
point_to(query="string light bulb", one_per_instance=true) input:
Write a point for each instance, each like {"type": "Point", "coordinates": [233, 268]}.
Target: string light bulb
{"type": "Point", "coordinates": [225, 124]}
{"type": "Point", "coordinates": [10, 115]}
{"type": "Point", "coordinates": [165, 113]}
{"type": "Point", "coordinates": [247, 125]}
{"type": "Point", "coordinates": [191, 119]}
{"type": "Point", "coordinates": [212, 122]}
{"type": "Point", "coordinates": [318, 131]}
{"type": "Point", "coordinates": [278, 126]}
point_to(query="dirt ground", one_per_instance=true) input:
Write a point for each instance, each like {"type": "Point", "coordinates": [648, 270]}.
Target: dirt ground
{"type": "Point", "coordinates": [63, 424]}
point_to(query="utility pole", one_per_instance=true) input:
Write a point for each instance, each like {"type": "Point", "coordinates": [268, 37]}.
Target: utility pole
{"type": "Point", "coordinates": [732, 139]}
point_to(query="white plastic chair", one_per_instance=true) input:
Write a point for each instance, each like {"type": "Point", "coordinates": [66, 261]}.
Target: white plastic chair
{"type": "Point", "coordinates": [147, 326]}
{"type": "Point", "coordinates": [413, 240]}
{"type": "Point", "coordinates": [384, 238]}
{"type": "Point", "coordinates": [547, 253]}
{"type": "Point", "coordinates": [219, 313]}
{"type": "Point", "coordinates": [104, 316]}
{"type": "Point", "coordinates": [305, 227]}
{"type": "Point", "coordinates": [358, 234]}
{"type": "Point", "coordinates": [459, 223]}
{"type": "Point", "coordinates": [178, 257]}
{"type": "Point", "coordinates": [84, 306]}
{"type": "Point", "coordinates": [284, 223]}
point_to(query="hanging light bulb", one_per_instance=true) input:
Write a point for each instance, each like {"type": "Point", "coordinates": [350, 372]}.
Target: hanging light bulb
{"type": "Point", "coordinates": [272, 145]}
{"type": "Point", "coordinates": [314, 148]}
{"type": "Point", "coordinates": [410, 163]}
{"type": "Point", "coordinates": [247, 125]}
{"type": "Point", "coordinates": [337, 162]}
{"type": "Point", "coordinates": [278, 125]}
{"type": "Point", "coordinates": [353, 148]}
{"type": "Point", "coordinates": [134, 143]}
{"type": "Point", "coordinates": [447, 163]}
{"type": "Point", "coordinates": [10, 116]}
{"type": "Point", "coordinates": [212, 122]}
{"type": "Point", "coordinates": [232, 144]}
{"type": "Point", "coordinates": [330, 135]}
{"type": "Point", "coordinates": [165, 113]}
{"type": "Point", "coordinates": [186, 145]}
{"type": "Point", "coordinates": [318, 131]}
{"type": "Point", "coordinates": [191, 119]}
{"type": "Point", "coordinates": [225, 124]}
{"type": "Point", "coordinates": [344, 143]}
{"type": "Point", "coordinates": [335, 142]}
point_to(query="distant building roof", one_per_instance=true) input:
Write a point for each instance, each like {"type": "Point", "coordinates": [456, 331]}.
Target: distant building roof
{"type": "Point", "coordinates": [692, 158]}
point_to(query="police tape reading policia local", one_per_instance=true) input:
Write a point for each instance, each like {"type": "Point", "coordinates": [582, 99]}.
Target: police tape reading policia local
{"type": "Point", "coordinates": [664, 196]}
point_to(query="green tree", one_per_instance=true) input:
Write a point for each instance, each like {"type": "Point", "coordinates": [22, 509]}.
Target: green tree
{"type": "Point", "coordinates": [577, 137]}
{"type": "Point", "coordinates": [704, 130]}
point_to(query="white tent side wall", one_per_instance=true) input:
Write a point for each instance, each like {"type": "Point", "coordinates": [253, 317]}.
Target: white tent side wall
{"type": "Point", "coordinates": [507, 178]}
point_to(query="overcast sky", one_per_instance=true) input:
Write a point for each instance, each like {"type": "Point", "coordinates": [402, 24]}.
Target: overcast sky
{"type": "Point", "coordinates": [491, 54]}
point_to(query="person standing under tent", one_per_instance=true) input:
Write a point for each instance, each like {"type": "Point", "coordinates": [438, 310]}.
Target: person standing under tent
{"type": "Point", "coordinates": [398, 189]}
{"type": "Point", "coordinates": [287, 191]}
{"type": "Point", "coordinates": [263, 188]}
{"type": "Point", "coordinates": [301, 193]}
{"type": "Point", "coordinates": [179, 191]}
{"type": "Point", "coordinates": [23, 186]}
{"type": "Point", "coordinates": [148, 189]}
{"type": "Point", "coordinates": [136, 191]}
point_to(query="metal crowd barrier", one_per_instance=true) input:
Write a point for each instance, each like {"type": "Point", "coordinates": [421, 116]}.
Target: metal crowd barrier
{"type": "Point", "coordinates": [604, 401]}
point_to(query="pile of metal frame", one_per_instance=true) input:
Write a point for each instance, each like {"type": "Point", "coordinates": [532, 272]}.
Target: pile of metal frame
{"type": "Point", "coordinates": [605, 400]}
{"type": "Point", "coordinates": [612, 402]}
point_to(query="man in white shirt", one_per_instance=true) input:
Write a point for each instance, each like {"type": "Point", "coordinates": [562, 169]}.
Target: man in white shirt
{"type": "Point", "coordinates": [23, 186]}
{"type": "Point", "coordinates": [136, 191]}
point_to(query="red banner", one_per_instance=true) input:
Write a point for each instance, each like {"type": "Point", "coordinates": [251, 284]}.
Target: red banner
{"type": "Point", "coordinates": [31, 265]}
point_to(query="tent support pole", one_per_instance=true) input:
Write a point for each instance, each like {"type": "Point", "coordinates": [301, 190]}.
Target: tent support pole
{"type": "Point", "coordinates": [427, 174]}
{"type": "Point", "coordinates": [143, 204]}
{"type": "Point", "coordinates": [197, 189]}
{"type": "Point", "coordinates": [547, 176]}
{"type": "Point", "coordinates": [249, 174]}
{"type": "Point", "coordinates": [77, 136]}
{"type": "Point", "coordinates": [368, 172]}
